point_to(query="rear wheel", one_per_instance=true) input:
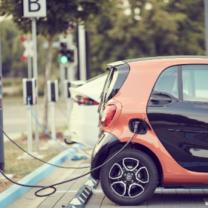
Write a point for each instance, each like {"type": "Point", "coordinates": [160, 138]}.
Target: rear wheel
{"type": "Point", "coordinates": [129, 178]}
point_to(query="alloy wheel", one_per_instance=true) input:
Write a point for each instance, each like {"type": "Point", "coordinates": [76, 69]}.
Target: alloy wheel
{"type": "Point", "coordinates": [128, 177]}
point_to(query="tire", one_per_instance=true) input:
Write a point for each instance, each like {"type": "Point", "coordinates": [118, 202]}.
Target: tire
{"type": "Point", "coordinates": [130, 178]}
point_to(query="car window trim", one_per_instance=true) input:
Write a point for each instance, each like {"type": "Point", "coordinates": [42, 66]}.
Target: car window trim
{"type": "Point", "coordinates": [180, 83]}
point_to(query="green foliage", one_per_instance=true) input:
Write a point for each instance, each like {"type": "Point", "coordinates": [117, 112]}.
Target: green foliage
{"type": "Point", "coordinates": [59, 14]}
{"type": "Point", "coordinates": [190, 32]}
{"type": "Point", "coordinates": [146, 28]}
{"type": "Point", "coordinates": [117, 29]}
{"type": "Point", "coordinates": [11, 49]}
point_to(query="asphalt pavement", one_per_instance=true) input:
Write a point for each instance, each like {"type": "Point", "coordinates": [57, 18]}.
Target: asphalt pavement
{"type": "Point", "coordinates": [163, 198]}
{"type": "Point", "coordinates": [15, 116]}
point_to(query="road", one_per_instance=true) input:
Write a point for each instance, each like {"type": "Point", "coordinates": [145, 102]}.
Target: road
{"type": "Point", "coordinates": [163, 198]}
{"type": "Point", "coordinates": [15, 115]}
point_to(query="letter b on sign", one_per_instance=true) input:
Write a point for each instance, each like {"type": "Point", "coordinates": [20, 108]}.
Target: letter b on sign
{"type": "Point", "coordinates": [34, 8]}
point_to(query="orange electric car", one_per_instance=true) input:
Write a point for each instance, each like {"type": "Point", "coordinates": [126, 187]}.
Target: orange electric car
{"type": "Point", "coordinates": [154, 127]}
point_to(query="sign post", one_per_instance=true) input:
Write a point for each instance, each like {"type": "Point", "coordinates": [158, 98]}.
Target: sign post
{"type": "Point", "coordinates": [34, 9]}
{"type": "Point", "coordinates": [28, 53]}
{"type": "Point", "coordinates": [34, 39]}
{"type": "Point", "coordinates": [1, 117]}
{"type": "Point", "coordinates": [82, 52]}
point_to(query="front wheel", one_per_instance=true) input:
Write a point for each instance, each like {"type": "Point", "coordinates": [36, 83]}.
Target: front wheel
{"type": "Point", "coordinates": [129, 178]}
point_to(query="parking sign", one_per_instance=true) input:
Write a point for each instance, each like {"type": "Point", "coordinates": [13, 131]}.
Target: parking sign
{"type": "Point", "coordinates": [34, 8]}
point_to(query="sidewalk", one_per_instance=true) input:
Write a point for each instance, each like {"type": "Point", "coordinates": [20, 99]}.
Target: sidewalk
{"type": "Point", "coordinates": [64, 192]}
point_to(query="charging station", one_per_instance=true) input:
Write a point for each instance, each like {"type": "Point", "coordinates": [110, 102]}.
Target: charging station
{"type": "Point", "coordinates": [53, 97]}
{"type": "Point", "coordinates": [67, 85]}
{"type": "Point", "coordinates": [69, 103]}
{"type": "Point", "coordinates": [30, 99]}
{"type": "Point", "coordinates": [29, 91]}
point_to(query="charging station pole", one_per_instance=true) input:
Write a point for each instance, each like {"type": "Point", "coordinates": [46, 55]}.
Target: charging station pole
{"type": "Point", "coordinates": [29, 99]}
{"type": "Point", "coordinates": [62, 77]}
{"type": "Point", "coordinates": [68, 99]}
{"type": "Point", "coordinates": [1, 116]}
{"type": "Point", "coordinates": [53, 127]}
{"type": "Point", "coordinates": [52, 98]}
{"type": "Point", "coordinates": [29, 133]}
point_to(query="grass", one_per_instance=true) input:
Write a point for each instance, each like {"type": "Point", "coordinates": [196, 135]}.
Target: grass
{"type": "Point", "coordinates": [23, 167]}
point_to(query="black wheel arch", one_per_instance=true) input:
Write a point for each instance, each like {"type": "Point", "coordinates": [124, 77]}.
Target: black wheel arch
{"type": "Point", "coordinates": [154, 158]}
{"type": "Point", "coordinates": [102, 155]}
{"type": "Point", "coordinates": [114, 147]}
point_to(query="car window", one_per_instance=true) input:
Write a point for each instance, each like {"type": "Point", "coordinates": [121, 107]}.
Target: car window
{"type": "Point", "coordinates": [106, 85]}
{"type": "Point", "coordinates": [195, 83]}
{"type": "Point", "coordinates": [168, 82]}
{"type": "Point", "coordinates": [115, 80]}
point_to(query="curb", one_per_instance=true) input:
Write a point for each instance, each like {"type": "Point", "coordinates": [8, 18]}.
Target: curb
{"type": "Point", "coordinates": [14, 192]}
{"type": "Point", "coordinates": [83, 195]}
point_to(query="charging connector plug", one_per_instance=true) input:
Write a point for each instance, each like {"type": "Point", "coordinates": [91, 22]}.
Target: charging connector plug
{"type": "Point", "coordinates": [136, 126]}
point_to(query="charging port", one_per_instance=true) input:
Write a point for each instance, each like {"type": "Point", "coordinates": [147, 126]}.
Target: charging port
{"type": "Point", "coordinates": [138, 126]}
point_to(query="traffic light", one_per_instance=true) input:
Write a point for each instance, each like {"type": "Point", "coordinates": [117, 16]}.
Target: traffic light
{"type": "Point", "coordinates": [65, 55]}
{"type": "Point", "coordinates": [70, 55]}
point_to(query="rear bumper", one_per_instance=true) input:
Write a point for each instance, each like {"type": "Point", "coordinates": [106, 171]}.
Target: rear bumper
{"type": "Point", "coordinates": [81, 131]}
{"type": "Point", "coordinates": [101, 151]}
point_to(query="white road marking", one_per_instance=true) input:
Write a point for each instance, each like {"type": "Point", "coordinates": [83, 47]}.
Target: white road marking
{"type": "Point", "coordinates": [98, 191]}
{"type": "Point", "coordinates": [206, 201]}
{"type": "Point", "coordinates": [74, 191]}
{"type": "Point", "coordinates": [67, 191]}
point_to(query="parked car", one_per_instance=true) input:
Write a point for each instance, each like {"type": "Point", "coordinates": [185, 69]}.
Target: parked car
{"type": "Point", "coordinates": [83, 124]}
{"type": "Point", "coordinates": [158, 108]}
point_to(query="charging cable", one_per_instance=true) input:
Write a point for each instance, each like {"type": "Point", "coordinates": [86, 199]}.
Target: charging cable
{"type": "Point", "coordinates": [30, 186]}
{"type": "Point", "coordinates": [37, 193]}
{"type": "Point", "coordinates": [36, 158]}
{"type": "Point", "coordinates": [53, 186]}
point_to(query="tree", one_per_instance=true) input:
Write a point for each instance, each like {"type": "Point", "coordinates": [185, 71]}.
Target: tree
{"type": "Point", "coordinates": [139, 28]}
{"type": "Point", "coordinates": [59, 14]}
{"type": "Point", "coordinates": [11, 50]}
{"type": "Point", "coordinates": [191, 30]}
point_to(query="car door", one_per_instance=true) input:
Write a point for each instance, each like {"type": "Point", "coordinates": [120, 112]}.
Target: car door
{"type": "Point", "coordinates": [178, 113]}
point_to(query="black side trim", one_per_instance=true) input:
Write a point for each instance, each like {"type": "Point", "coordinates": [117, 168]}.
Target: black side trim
{"type": "Point", "coordinates": [102, 150]}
